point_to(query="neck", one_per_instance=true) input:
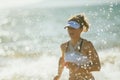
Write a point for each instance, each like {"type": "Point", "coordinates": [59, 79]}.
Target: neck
{"type": "Point", "coordinates": [74, 41]}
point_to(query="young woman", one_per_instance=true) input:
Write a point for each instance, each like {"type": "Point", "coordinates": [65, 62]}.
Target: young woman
{"type": "Point", "coordinates": [78, 54]}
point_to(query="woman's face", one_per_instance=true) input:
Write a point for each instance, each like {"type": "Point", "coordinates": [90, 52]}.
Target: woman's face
{"type": "Point", "coordinates": [74, 33]}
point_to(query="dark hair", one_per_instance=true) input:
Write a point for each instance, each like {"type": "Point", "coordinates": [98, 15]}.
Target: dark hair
{"type": "Point", "coordinates": [82, 20]}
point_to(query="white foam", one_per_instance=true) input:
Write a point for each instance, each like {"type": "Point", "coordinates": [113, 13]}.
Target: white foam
{"type": "Point", "coordinates": [110, 65]}
{"type": "Point", "coordinates": [45, 67]}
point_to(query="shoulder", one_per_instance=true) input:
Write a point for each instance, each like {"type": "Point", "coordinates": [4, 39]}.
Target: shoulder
{"type": "Point", "coordinates": [88, 46]}
{"type": "Point", "coordinates": [64, 46]}
{"type": "Point", "coordinates": [87, 43]}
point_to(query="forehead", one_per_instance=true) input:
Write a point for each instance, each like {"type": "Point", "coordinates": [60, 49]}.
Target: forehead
{"type": "Point", "coordinates": [70, 28]}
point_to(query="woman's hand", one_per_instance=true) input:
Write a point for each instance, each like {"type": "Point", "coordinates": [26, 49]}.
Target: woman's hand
{"type": "Point", "coordinates": [56, 77]}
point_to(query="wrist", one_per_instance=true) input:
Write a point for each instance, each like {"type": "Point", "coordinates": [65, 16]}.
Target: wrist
{"type": "Point", "coordinates": [58, 75]}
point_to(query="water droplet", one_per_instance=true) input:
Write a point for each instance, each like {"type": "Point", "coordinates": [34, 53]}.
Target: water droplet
{"type": "Point", "coordinates": [110, 9]}
{"type": "Point", "coordinates": [72, 54]}
{"type": "Point", "coordinates": [78, 47]}
{"type": "Point", "coordinates": [79, 59]}
{"type": "Point", "coordinates": [90, 52]}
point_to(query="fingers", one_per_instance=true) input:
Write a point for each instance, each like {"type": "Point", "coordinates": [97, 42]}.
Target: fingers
{"type": "Point", "coordinates": [56, 78]}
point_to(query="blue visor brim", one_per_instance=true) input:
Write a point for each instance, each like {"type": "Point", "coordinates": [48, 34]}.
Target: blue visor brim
{"type": "Point", "coordinates": [73, 24]}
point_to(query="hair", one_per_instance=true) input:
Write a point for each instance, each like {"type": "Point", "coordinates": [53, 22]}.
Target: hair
{"type": "Point", "coordinates": [82, 20]}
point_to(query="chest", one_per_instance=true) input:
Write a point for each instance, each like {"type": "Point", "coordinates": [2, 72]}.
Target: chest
{"type": "Point", "coordinates": [76, 54]}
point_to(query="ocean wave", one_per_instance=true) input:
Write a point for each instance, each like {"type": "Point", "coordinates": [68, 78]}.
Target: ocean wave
{"type": "Point", "coordinates": [110, 55]}
{"type": "Point", "coordinates": [36, 67]}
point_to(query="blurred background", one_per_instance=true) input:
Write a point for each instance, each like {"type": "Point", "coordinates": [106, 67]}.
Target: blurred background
{"type": "Point", "coordinates": [32, 31]}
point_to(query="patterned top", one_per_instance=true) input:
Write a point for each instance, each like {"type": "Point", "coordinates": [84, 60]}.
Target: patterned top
{"type": "Point", "coordinates": [72, 55]}
{"type": "Point", "coordinates": [76, 57]}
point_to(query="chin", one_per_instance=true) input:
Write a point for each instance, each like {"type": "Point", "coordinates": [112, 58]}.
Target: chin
{"type": "Point", "coordinates": [72, 37]}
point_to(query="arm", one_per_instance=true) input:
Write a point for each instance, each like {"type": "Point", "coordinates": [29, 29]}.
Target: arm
{"type": "Point", "coordinates": [61, 64]}
{"type": "Point", "coordinates": [94, 64]}
{"type": "Point", "coordinates": [60, 69]}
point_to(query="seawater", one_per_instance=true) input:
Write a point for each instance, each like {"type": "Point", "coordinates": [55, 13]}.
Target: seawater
{"type": "Point", "coordinates": [30, 40]}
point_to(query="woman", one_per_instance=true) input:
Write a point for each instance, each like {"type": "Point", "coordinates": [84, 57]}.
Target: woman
{"type": "Point", "coordinates": [78, 54]}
